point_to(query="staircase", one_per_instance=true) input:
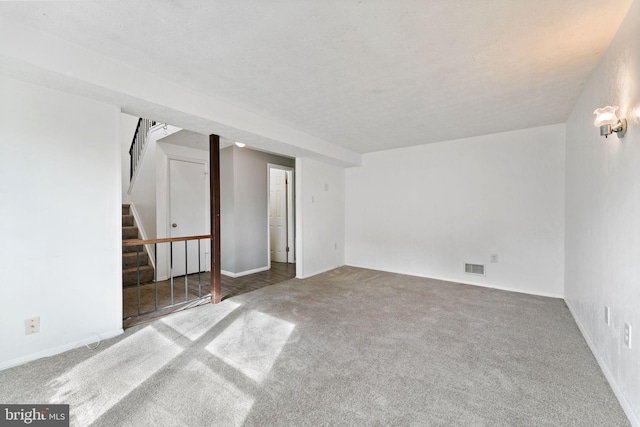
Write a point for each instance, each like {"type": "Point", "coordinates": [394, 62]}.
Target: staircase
{"type": "Point", "coordinates": [129, 256]}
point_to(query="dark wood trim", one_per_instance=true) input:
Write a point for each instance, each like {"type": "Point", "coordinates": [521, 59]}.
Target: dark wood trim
{"type": "Point", "coordinates": [135, 134]}
{"type": "Point", "coordinates": [214, 200]}
{"type": "Point", "coordinates": [136, 242]}
{"type": "Point", "coordinates": [133, 143]}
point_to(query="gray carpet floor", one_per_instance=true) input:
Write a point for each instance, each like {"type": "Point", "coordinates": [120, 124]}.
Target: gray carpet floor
{"type": "Point", "coordinates": [348, 347]}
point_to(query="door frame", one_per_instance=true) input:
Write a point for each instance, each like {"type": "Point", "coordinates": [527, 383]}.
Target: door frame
{"type": "Point", "coordinates": [291, 212]}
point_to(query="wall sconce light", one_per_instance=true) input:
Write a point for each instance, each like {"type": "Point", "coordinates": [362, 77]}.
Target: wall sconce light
{"type": "Point", "coordinates": [608, 122]}
{"type": "Point", "coordinates": [241, 144]}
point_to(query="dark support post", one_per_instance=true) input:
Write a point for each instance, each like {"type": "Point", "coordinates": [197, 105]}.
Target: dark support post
{"type": "Point", "coordinates": [214, 202]}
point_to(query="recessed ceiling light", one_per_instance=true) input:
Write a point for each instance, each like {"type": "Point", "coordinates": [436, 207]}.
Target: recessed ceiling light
{"type": "Point", "coordinates": [241, 144]}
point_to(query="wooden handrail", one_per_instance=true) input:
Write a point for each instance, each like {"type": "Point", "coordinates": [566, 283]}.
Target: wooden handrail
{"type": "Point", "coordinates": [136, 242]}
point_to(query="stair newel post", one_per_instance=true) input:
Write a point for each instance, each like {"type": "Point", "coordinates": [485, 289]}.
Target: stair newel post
{"type": "Point", "coordinates": [214, 203]}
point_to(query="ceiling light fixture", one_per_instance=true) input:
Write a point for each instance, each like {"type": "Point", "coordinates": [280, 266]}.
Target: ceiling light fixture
{"type": "Point", "coordinates": [608, 122]}
{"type": "Point", "coordinates": [241, 144]}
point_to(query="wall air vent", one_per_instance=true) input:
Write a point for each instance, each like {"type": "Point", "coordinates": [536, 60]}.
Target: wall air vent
{"type": "Point", "coordinates": [474, 269]}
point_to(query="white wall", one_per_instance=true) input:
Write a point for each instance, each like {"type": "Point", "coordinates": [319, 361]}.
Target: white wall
{"type": "Point", "coordinates": [320, 228]}
{"type": "Point", "coordinates": [128, 126]}
{"type": "Point", "coordinates": [61, 228]}
{"type": "Point", "coordinates": [603, 215]}
{"type": "Point", "coordinates": [427, 210]}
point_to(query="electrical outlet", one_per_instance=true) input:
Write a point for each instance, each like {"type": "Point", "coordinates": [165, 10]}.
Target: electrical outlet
{"type": "Point", "coordinates": [627, 335]}
{"type": "Point", "coordinates": [494, 257]}
{"type": "Point", "coordinates": [607, 315]}
{"type": "Point", "coordinates": [32, 326]}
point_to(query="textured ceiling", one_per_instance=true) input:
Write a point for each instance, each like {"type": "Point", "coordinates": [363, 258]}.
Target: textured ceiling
{"type": "Point", "coordinates": [366, 75]}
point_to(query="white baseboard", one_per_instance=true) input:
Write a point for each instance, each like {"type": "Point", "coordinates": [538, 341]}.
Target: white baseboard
{"type": "Point", "coordinates": [315, 273]}
{"type": "Point", "coordinates": [626, 406]}
{"type": "Point", "coordinates": [502, 288]}
{"type": "Point", "coordinates": [59, 349]}
{"type": "Point", "coordinates": [245, 273]}
{"type": "Point", "coordinates": [467, 282]}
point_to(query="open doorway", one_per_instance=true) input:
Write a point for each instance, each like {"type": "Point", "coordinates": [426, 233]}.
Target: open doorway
{"type": "Point", "coordinates": [166, 222]}
{"type": "Point", "coordinates": [245, 204]}
{"type": "Point", "coordinates": [167, 210]}
{"type": "Point", "coordinates": [281, 213]}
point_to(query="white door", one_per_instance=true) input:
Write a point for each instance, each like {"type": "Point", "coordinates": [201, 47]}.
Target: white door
{"type": "Point", "coordinates": [188, 214]}
{"type": "Point", "coordinates": [278, 215]}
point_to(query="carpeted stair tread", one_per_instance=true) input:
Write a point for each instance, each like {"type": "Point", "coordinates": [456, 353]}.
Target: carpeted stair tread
{"type": "Point", "coordinates": [130, 253]}
{"type": "Point", "coordinates": [127, 249]}
{"type": "Point", "coordinates": [129, 233]}
{"type": "Point", "coordinates": [130, 259]}
{"type": "Point", "coordinates": [130, 275]}
{"type": "Point", "coordinates": [133, 269]}
{"type": "Point", "coordinates": [127, 221]}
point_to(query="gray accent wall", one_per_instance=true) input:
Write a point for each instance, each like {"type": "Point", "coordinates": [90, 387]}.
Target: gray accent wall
{"type": "Point", "coordinates": [227, 217]}
{"type": "Point", "coordinates": [243, 208]}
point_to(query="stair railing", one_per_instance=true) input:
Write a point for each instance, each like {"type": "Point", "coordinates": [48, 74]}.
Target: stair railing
{"type": "Point", "coordinates": [153, 286]}
{"type": "Point", "coordinates": [140, 138]}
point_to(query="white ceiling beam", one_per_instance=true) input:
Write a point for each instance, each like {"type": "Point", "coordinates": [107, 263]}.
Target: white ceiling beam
{"type": "Point", "coordinates": [43, 59]}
